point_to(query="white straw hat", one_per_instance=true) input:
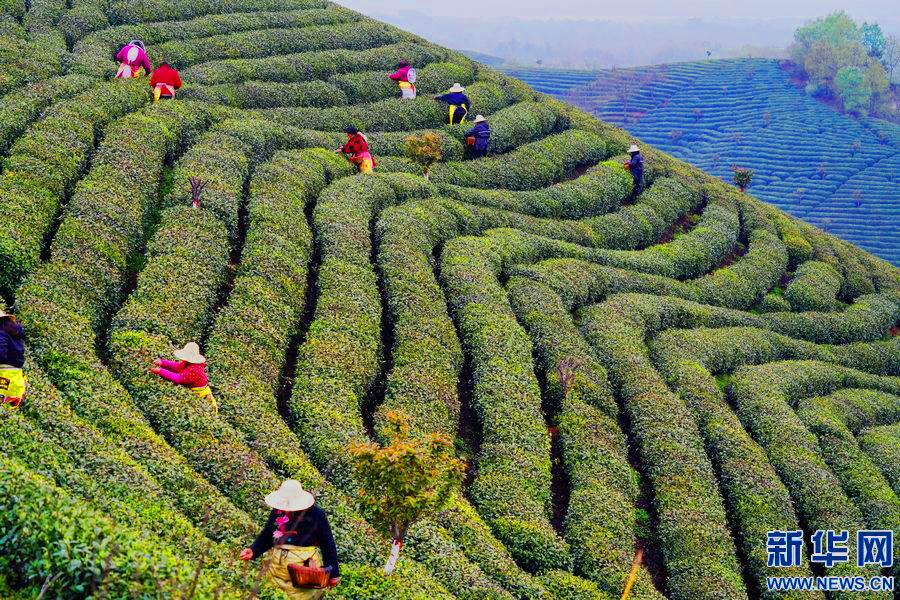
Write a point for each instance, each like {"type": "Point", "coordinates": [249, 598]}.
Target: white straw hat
{"type": "Point", "coordinates": [634, 148]}
{"type": "Point", "coordinates": [457, 88]}
{"type": "Point", "coordinates": [480, 118]}
{"type": "Point", "coordinates": [290, 497]}
{"type": "Point", "coordinates": [190, 353]}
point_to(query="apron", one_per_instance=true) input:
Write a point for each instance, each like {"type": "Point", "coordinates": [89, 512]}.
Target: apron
{"type": "Point", "coordinates": [205, 392]}
{"type": "Point", "coordinates": [278, 575]}
{"type": "Point", "coordinates": [364, 161]}
{"type": "Point", "coordinates": [160, 88]}
{"type": "Point", "coordinates": [13, 386]}
{"type": "Point", "coordinates": [407, 90]}
{"type": "Point", "coordinates": [127, 71]}
{"type": "Point", "coordinates": [453, 108]}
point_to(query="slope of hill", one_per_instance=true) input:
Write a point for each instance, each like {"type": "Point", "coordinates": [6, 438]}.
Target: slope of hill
{"type": "Point", "coordinates": [736, 370]}
{"type": "Point", "coordinates": [829, 169]}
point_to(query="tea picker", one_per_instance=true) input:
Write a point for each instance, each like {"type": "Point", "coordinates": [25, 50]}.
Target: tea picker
{"type": "Point", "coordinates": [304, 560]}
{"type": "Point", "coordinates": [479, 137]}
{"type": "Point", "coordinates": [189, 370]}
{"type": "Point", "coordinates": [164, 81]}
{"type": "Point", "coordinates": [635, 165]}
{"type": "Point", "coordinates": [357, 150]}
{"type": "Point", "coordinates": [132, 58]}
{"type": "Point", "coordinates": [405, 76]}
{"type": "Point", "coordinates": [458, 102]}
{"type": "Point", "coordinates": [13, 383]}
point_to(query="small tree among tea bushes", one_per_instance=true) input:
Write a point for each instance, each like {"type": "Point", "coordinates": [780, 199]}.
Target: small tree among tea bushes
{"type": "Point", "coordinates": [742, 177]}
{"type": "Point", "coordinates": [424, 150]}
{"type": "Point", "coordinates": [406, 480]}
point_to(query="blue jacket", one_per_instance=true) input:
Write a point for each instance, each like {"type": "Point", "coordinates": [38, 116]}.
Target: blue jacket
{"type": "Point", "coordinates": [636, 166]}
{"type": "Point", "coordinates": [482, 134]}
{"type": "Point", "coordinates": [12, 350]}
{"type": "Point", "coordinates": [457, 98]}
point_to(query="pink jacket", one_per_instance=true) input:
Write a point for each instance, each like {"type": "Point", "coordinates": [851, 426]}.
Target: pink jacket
{"type": "Point", "coordinates": [140, 60]}
{"type": "Point", "coordinates": [401, 75]}
{"type": "Point", "coordinates": [183, 373]}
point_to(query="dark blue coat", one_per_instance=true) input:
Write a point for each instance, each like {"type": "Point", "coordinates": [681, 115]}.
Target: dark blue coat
{"type": "Point", "coordinates": [457, 98]}
{"type": "Point", "coordinates": [482, 134]}
{"type": "Point", "coordinates": [636, 166]}
{"type": "Point", "coordinates": [12, 350]}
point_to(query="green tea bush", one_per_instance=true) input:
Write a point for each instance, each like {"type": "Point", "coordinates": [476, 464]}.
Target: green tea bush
{"type": "Point", "coordinates": [689, 255]}
{"type": "Point", "coordinates": [699, 553]}
{"type": "Point", "coordinates": [93, 53]}
{"type": "Point", "coordinates": [882, 445]}
{"type": "Point", "coordinates": [603, 486]}
{"type": "Point", "coordinates": [762, 397]}
{"type": "Point", "coordinates": [62, 302]}
{"type": "Point", "coordinates": [860, 477]}
{"type": "Point", "coordinates": [755, 496]}
{"type": "Point", "coordinates": [43, 166]}
{"type": "Point", "coordinates": [303, 66]}
{"type": "Point", "coordinates": [20, 108]}
{"type": "Point", "coordinates": [85, 545]}
{"type": "Point", "coordinates": [341, 351]}
{"type": "Point", "coordinates": [222, 162]}
{"type": "Point", "coordinates": [532, 166]}
{"type": "Point", "coordinates": [254, 44]}
{"type": "Point", "coordinates": [131, 11]}
{"type": "Point", "coordinates": [815, 286]}
{"type": "Point", "coordinates": [261, 94]}
{"type": "Point", "coordinates": [371, 86]}
{"type": "Point", "coordinates": [598, 191]}
{"type": "Point", "coordinates": [512, 488]}
{"type": "Point", "coordinates": [408, 582]}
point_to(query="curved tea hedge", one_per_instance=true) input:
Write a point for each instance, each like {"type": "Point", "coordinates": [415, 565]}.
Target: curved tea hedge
{"type": "Point", "coordinates": [736, 370]}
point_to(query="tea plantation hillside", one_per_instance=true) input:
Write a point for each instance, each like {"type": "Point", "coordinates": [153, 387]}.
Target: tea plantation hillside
{"type": "Point", "coordinates": [835, 171]}
{"type": "Point", "coordinates": [738, 370]}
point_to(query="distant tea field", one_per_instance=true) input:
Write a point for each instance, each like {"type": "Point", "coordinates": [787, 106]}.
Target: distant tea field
{"type": "Point", "coordinates": [832, 170]}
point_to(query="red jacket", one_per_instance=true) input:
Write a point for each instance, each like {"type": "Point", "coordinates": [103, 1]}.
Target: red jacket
{"type": "Point", "coordinates": [356, 145]}
{"type": "Point", "coordinates": [166, 75]}
{"type": "Point", "coordinates": [182, 372]}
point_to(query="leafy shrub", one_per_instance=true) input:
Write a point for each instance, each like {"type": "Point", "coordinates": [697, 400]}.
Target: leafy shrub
{"type": "Point", "coordinates": [93, 54]}
{"type": "Point", "coordinates": [603, 487]}
{"type": "Point", "coordinates": [125, 11]}
{"type": "Point", "coordinates": [532, 166]}
{"type": "Point", "coordinates": [371, 86]}
{"type": "Point", "coordinates": [424, 150]}
{"type": "Point", "coordinates": [882, 445]}
{"type": "Point", "coordinates": [260, 43]}
{"type": "Point", "coordinates": [860, 477]}
{"type": "Point", "coordinates": [44, 165]}
{"type": "Point", "coordinates": [815, 286]}
{"type": "Point", "coordinates": [598, 191]}
{"type": "Point", "coordinates": [409, 582]}
{"type": "Point", "coordinates": [762, 396]}
{"type": "Point", "coordinates": [512, 485]}
{"type": "Point", "coordinates": [19, 108]}
{"type": "Point", "coordinates": [87, 545]}
{"type": "Point", "coordinates": [260, 94]}
{"type": "Point", "coordinates": [692, 520]}
{"type": "Point", "coordinates": [61, 303]}
{"type": "Point", "coordinates": [303, 66]}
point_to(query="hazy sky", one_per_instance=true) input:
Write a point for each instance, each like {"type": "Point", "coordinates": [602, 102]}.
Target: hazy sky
{"type": "Point", "coordinates": [861, 9]}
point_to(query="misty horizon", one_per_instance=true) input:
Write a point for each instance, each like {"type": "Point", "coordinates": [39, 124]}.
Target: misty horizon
{"type": "Point", "coordinates": [603, 36]}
